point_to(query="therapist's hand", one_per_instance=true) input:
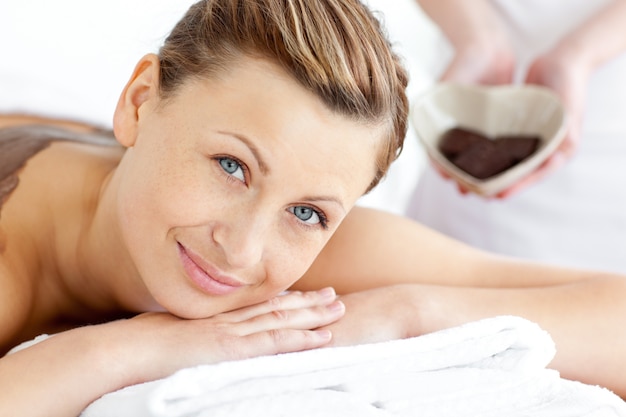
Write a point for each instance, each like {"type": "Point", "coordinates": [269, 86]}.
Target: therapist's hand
{"type": "Point", "coordinates": [562, 70]}
{"type": "Point", "coordinates": [559, 71]}
{"type": "Point", "coordinates": [481, 63]}
{"type": "Point", "coordinates": [556, 70]}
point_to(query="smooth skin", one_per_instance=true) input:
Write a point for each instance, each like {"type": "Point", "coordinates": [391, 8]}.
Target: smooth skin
{"type": "Point", "coordinates": [483, 56]}
{"type": "Point", "coordinates": [247, 173]}
{"type": "Point", "coordinates": [582, 310]}
{"type": "Point", "coordinates": [88, 248]}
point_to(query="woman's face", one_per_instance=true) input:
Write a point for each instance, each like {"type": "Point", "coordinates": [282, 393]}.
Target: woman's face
{"type": "Point", "coordinates": [231, 188]}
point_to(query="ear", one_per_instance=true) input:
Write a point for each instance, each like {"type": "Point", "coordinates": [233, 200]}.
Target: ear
{"type": "Point", "coordinates": [142, 88]}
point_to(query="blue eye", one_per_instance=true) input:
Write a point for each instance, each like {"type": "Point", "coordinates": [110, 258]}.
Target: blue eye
{"type": "Point", "coordinates": [309, 215]}
{"type": "Point", "coordinates": [233, 167]}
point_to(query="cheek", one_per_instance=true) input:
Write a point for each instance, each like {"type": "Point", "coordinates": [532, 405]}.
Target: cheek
{"type": "Point", "coordinates": [149, 210]}
{"type": "Point", "coordinates": [172, 190]}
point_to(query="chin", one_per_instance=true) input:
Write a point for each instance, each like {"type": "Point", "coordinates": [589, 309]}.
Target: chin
{"type": "Point", "coordinates": [194, 310]}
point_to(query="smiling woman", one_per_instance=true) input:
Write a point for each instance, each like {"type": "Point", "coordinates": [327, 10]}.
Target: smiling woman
{"type": "Point", "coordinates": [238, 154]}
{"type": "Point", "coordinates": [247, 184]}
{"type": "Point", "coordinates": [244, 144]}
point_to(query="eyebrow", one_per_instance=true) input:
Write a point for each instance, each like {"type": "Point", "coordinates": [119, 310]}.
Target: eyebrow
{"type": "Point", "coordinates": [326, 198]}
{"type": "Point", "coordinates": [263, 166]}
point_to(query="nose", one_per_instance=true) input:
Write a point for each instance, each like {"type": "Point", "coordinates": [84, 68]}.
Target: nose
{"type": "Point", "coordinates": [241, 239]}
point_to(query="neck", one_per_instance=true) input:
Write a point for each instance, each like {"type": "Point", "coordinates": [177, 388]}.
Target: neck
{"type": "Point", "coordinates": [104, 262]}
{"type": "Point", "coordinates": [93, 268]}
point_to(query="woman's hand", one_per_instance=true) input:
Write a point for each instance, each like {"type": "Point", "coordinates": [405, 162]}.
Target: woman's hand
{"type": "Point", "coordinates": [376, 315]}
{"type": "Point", "coordinates": [286, 323]}
{"type": "Point", "coordinates": [94, 360]}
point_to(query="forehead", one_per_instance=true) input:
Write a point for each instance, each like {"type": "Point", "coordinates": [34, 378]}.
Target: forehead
{"type": "Point", "coordinates": [283, 122]}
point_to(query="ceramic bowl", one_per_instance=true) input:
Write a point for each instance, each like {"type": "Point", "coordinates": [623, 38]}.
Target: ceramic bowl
{"type": "Point", "coordinates": [492, 111]}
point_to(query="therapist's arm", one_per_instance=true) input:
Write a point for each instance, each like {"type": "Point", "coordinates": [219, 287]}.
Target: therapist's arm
{"type": "Point", "coordinates": [482, 53]}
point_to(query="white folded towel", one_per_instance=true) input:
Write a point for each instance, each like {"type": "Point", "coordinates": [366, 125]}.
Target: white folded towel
{"type": "Point", "coordinates": [493, 367]}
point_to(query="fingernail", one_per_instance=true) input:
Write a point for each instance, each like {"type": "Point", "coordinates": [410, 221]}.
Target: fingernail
{"type": "Point", "coordinates": [336, 306]}
{"type": "Point", "coordinates": [324, 334]}
{"type": "Point", "coordinates": [327, 292]}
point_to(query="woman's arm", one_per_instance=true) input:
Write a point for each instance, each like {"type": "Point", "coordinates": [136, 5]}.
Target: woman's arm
{"type": "Point", "coordinates": [372, 248]}
{"type": "Point", "coordinates": [584, 318]}
{"type": "Point", "coordinates": [400, 279]}
{"type": "Point", "coordinates": [93, 360]}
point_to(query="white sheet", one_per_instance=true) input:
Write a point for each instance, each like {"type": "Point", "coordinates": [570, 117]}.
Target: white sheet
{"type": "Point", "coordinates": [493, 367]}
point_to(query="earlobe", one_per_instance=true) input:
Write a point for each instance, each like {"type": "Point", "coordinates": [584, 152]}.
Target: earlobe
{"type": "Point", "coordinates": [142, 87]}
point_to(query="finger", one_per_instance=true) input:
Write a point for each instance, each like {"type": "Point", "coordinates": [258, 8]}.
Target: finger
{"type": "Point", "coordinates": [288, 301]}
{"type": "Point", "coordinates": [569, 146]}
{"type": "Point", "coordinates": [298, 319]}
{"type": "Point", "coordinates": [277, 341]}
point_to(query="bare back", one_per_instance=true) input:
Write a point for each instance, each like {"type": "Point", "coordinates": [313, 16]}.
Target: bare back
{"type": "Point", "coordinates": [47, 173]}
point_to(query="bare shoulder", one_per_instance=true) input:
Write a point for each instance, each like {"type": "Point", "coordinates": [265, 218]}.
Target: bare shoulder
{"type": "Point", "coordinates": [373, 248]}
{"type": "Point", "coordinates": [40, 156]}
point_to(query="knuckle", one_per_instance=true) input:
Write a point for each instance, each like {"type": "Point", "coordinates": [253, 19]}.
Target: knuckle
{"type": "Point", "coordinates": [277, 336]}
{"type": "Point", "coordinates": [232, 348]}
{"type": "Point", "coordinates": [310, 295]}
{"type": "Point", "coordinates": [275, 302]}
{"type": "Point", "coordinates": [307, 338]}
{"type": "Point", "coordinates": [224, 328]}
{"type": "Point", "coordinates": [281, 315]}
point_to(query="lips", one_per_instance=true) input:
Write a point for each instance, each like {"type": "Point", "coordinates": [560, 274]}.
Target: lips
{"type": "Point", "coordinates": [206, 277]}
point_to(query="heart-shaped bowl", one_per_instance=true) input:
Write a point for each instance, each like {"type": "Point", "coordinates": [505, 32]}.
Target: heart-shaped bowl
{"type": "Point", "coordinates": [525, 110]}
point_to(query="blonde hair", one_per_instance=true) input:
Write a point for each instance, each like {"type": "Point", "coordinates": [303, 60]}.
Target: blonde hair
{"type": "Point", "coordinates": [334, 48]}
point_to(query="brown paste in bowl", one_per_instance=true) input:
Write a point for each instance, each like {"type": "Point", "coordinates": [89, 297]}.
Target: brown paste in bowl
{"type": "Point", "coordinates": [483, 157]}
